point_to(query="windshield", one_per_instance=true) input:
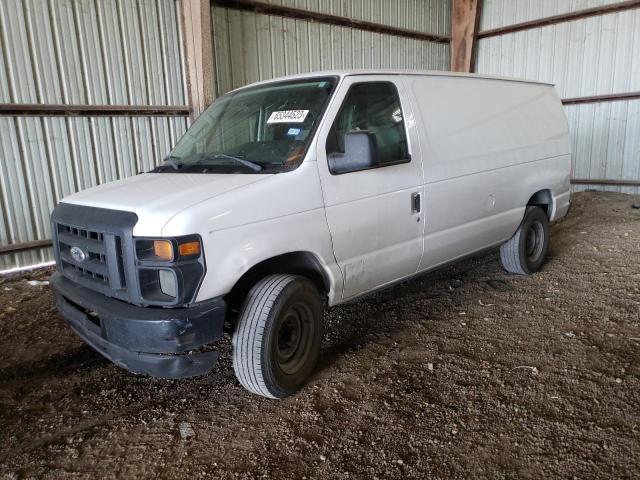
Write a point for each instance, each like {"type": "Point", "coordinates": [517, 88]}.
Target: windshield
{"type": "Point", "coordinates": [263, 129]}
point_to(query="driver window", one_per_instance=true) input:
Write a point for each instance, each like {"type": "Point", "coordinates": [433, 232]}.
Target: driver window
{"type": "Point", "coordinates": [372, 107]}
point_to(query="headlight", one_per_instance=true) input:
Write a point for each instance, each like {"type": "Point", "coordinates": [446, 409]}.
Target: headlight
{"type": "Point", "coordinates": [163, 250]}
{"type": "Point", "coordinates": [170, 270]}
{"type": "Point", "coordinates": [168, 249]}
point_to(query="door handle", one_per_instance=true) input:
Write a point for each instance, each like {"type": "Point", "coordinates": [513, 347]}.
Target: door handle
{"type": "Point", "coordinates": [415, 202]}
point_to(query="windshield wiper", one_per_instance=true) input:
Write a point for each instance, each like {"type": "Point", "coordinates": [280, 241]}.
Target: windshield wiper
{"type": "Point", "coordinates": [171, 160]}
{"type": "Point", "coordinates": [256, 167]}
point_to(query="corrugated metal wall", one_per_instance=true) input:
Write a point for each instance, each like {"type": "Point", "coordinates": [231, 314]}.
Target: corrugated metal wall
{"type": "Point", "coordinates": [592, 56]}
{"type": "Point", "coordinates": [430, 16]}
{"type": "Point", "coordinates": [251, 47]}
{"type": "Point", "coordinates": [123, 52]}
{"type": "Point", "coordinates": [502, 13]}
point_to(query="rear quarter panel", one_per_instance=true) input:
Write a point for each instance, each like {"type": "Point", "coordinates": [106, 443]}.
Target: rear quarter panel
{"type": "Point", "coordinates": [488, 146]}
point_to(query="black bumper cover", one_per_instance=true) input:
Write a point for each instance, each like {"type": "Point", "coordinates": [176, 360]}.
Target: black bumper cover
{"type": "Point", "coordinates": [143, 340]}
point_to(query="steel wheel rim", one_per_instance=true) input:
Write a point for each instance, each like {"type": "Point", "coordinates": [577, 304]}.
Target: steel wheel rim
{"type": "Point", "coordinates": [293, 339]}
{"type": "Point", "coordinates": [534, 242]}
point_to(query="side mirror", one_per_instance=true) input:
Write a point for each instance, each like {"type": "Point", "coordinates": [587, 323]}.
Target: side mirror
{"type": "Point", "coordinates": [360, 153]}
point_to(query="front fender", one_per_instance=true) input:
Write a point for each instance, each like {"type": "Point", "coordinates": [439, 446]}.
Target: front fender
{"type": "Point", "coordinates": [232, 252]}
{"type": "Point", "coordinates": [241, 228]}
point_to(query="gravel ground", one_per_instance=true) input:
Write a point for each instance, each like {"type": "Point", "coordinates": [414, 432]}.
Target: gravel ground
{"type": "Point", "coordinates": [465, 372]}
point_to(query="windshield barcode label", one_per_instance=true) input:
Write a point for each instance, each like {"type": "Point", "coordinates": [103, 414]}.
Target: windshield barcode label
{"type": "Point", "coordinates": [288, 116]}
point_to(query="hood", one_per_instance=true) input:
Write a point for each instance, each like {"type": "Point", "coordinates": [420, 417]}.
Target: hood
{"type": "Point", "coordinates": [157, 197]}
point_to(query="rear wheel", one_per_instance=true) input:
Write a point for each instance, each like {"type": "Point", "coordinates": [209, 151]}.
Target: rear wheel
{"type": "Point", "coordinates": [525, 252]}
{"type": "Point", "coordinates": [276, 343]}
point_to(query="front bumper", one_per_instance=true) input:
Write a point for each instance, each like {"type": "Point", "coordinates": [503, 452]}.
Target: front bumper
{"type": "Point", "coordinates": [145, 340]}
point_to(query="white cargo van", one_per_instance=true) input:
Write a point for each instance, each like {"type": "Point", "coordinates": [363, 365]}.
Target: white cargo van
{"type": "Point", "coordinates": [311, 190]}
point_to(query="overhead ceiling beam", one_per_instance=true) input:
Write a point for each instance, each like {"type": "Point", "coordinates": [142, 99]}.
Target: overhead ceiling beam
{"type": "Point", "coordinates": [197, 44]}
{"type": "Point", "coordinates": [465, 18]}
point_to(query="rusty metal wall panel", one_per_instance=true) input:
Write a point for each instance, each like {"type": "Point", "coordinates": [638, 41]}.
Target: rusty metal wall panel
{"type": "Point", "coordinates": [81, 52]}
{"type": "Point", "coordinates": [430, 16]}
{"type": "Point", "coordinates": [251, 47]}
{"type": "Point", "coordinates": [501, 13]}
{"type": "Point", "coordinates": [592, 56]}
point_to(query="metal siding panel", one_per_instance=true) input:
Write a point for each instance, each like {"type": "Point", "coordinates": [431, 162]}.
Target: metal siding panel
{"type": "Point", "coordinates": [256, 46]}
{"type": "Point", "coordinates": [584, 57]}
{"type": "Point", "coordinates": [221, 46]}
{"type": "Point", "coordinates": [42, 52]}
{"type": "Point", "coordinates": [277, 36]}
{"type": "Point", "coordinates": [151, 44]}
{"type": "Point", "coordinates": [5, 93]}
{"type": "Point", "coordinates": [92, 68]}
{"type": "Point", "coordinates": [172, 48]}
{"type": "Point", "coordinates": [431, 16]}
{"type": "Point", "coordinates": [15, 188]}
{"type": "Point", "coordinates": [19, 74]}
{"type": "Point", "coordinates": [614, 156]}
{"type": "Point", "coordinates": [124, 146]}
{"type": "Point", "coordinates": [36, 172]}
{"type": "Point", "coordinates": [67, 51]}
{"type": "Point", "coordinates": [81, 51]}
{"type": "Point", "coordinates": [501, 13]}
{"type": "Point", "coordinates": [103, 149]}
{"type": "Point", "coordinates": [631, 148]}
{"type": "Point", "coordinates": [112, 52]}
{"type": "Point", "coordinates": [132, 42]}
{"type": "Point", "coordinates": [290, 46]}
{"type": "Point", "coordinates": [62, 177]}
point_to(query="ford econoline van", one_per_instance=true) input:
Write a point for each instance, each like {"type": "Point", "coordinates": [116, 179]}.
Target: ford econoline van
{"type": "Point", "coordinates": [303, 192]}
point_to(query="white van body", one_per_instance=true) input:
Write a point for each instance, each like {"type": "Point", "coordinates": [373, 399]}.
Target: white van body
{"type": "Point", "coordinates": [481, 149]}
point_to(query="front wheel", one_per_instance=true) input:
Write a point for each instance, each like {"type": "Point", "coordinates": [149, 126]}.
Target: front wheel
{"type": "Point", "coordinates": [524, 253]}
{"type": "Point", "coordinates": [276, 343]}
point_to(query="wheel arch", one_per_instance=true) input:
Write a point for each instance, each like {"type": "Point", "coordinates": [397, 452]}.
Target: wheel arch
{"type": "Point", "coordinates": [543, 199]}
{"type": "Point", "coordinates": [302, 263]}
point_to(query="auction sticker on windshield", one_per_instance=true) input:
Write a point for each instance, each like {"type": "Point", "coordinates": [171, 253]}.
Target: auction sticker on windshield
{"type": "Point", "coordinates": [288, 116]}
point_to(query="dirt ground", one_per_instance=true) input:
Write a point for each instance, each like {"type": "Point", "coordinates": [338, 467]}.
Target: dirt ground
{"type": "Point", "coordinates": [465, 372]}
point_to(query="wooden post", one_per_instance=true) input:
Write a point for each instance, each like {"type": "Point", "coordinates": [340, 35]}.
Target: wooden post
{"type": "Point", "coordinates": [197, 44]}
{"type": "Point", "coordinates": [465, 18]}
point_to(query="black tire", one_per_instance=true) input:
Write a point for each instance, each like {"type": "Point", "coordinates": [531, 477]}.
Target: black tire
{"type": "Point", "coordinates": [524, 253]}
{"type": "Point", "coordinates": [276, 343]}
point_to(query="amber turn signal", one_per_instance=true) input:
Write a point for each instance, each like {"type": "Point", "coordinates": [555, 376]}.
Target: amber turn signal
{"type": "Point", "coordinates": [163, 249]}
{"type": "Point", "coordinates": [189, 248]}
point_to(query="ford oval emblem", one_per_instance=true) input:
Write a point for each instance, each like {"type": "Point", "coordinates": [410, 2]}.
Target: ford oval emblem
{"type": "Point", "coordinates": [78, 254]}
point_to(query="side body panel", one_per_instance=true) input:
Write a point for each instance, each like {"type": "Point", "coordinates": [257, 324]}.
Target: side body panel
{"type": "Point", "coordinates": [488, 146]}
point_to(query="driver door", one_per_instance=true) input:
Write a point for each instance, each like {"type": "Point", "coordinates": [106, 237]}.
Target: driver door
{"type": "Point", "coordinates": [373, 206]}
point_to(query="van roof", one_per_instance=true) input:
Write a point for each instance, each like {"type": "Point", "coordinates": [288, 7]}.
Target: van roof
{"type": "Point", "coordinates": [432, 73]}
